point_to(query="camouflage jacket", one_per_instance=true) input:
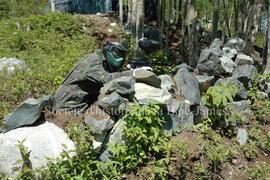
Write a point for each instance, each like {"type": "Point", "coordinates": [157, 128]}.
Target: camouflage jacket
{"type": "Point", "coordinates": [81, 87]}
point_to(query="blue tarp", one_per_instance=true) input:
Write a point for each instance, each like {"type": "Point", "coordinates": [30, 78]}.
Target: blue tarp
{"type": "Point", "coordinates": [264, 23]}
{"type": "Point", "coordinates": [82, 6]}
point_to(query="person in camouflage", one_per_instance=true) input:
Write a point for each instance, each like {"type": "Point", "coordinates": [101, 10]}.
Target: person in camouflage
{"type": "Point", "coordinates": [81, 87]}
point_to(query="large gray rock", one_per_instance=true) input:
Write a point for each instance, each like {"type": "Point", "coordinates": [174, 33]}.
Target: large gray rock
{"type": "Point", "coordinates": [242, 107]}
{"type": "Point", "coordinates": [242, 91]}
{"type": "Point", "coordinates": [243, 59]}
{"type": "Point", "coordinates": [116, 136]}
{"type": "Point", "coordinates": [147, 77]}
{"type": "Point", "coordinates": [123, 86]}
{"type": "Point", "coordinates": [27, 113]}
{"type": "Point", "coordinates": [205, 82]}
{"type": "Point", "coordinates": [245, 73]}
{"type": "Point", "coordinates": [173, 107]}
{"type": "Point", "coordinates": [144, 91]}
{"type": "Point", "coordinates": [188, 86]}
{"type": "Point", "coordinates": [43, 141]}
{"type": "Point", "coordinates": [217, 45]}
{"type": "Point", "coordinates": [229, 52]}
{"type": "Point", "coordinates": [209, 62]}
{"type": "Point", "coordinates": [236, 43]}
{"type": "Point", "coordinates": [166, 82]}
{"type": "Point", "coordinates": [10, 64]}
{"type": "Point", "coordinates": [101, 123]}
{"type": "Point", "coordinates": [182, 66]}
{"type": "Point", "coordinates": [227, 65]}
{"type": "Point", "coordinates": [183, 117]}
{"type": "Point", "coordinates": [113, 103]}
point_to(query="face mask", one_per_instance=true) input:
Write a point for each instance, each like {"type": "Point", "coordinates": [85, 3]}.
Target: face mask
{"type": "Point", "coordinates": [116, 61]}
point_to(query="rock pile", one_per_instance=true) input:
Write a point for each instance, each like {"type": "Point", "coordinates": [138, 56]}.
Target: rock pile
{"type": "Point", "coordinates": [179, 96]}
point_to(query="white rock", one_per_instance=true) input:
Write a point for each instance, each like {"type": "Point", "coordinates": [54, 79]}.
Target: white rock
{"type": "Point", "coordinates": [42, 141]}
{"type": "Point", "coordinates": [113, 24]}
{"type": "Point", "coordinates": [227, 64]}
{"type": "Point", "coordinates": [144, 91]}
{"type": "Point", "coordinates": [110, 30]}
{"type": "Point", "coordinates": [11, 63]}
{"type": "Point", "coordinates": [229, 52]}
{"type": "Point", "coordinates": [243, 59]}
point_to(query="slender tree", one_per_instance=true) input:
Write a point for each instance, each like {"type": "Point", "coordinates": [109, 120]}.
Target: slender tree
{"type": "Point", "coordinates": [121, 12]}
{"type": "Point", "coordinates": [53, 6]}
{"type": "Point", "coordinates": [215, 19]}
{"type": "Point", "coordinates": [267, 41]}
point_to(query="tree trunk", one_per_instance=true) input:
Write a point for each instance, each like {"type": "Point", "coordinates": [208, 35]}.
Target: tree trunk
{"type": "Point", "coordinates": [215, 19]}
{"type": "Point", "coordinates": [180, 13]}
{"type": "Point", "coordinates": [53, 6]}
{"type": "Point", "coordinates": [129, 12]}
{"type": "Point", "coordinates": [140, 19]}
{"type": "Point", "coordinates": [267, 42]}
{"type": "Point", "coordinates": [236, 12]}
{"type": "Point", "coordinates": [121, 12]}
{"type": "Point", "coordinates": [133, 18]}
{"type": "Point", "coordinates": [256, 21]}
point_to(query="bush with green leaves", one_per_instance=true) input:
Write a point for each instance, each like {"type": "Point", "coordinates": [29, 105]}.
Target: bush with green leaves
{"type": "Point", "coordinates": [144, 139]}
{"type": "Point", "coordinates": [260, 104]}
{"type": "Point", "coordinates": [216, 100]}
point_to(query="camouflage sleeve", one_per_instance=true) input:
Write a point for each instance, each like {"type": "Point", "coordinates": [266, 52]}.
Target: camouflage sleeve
{"type": "Point", "coordinates": [106, 77]}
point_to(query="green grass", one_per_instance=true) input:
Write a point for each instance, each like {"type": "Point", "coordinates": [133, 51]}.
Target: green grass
{"type": "Point", "coordinates": [50, 45]}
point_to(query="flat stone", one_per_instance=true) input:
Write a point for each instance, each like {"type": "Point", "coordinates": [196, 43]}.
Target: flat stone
{"type": "Point", "coordinates": [243, 59]}
{"type": "Point", "coordinates": [147, 77]}
{"type": "Point", "coordinates": [182, 66]}
{"type": "Point", "coordinates": [144, 91]}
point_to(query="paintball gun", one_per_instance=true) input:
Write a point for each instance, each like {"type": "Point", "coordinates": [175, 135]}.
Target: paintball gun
{"type": "Point", "coordinates": [148, 46]}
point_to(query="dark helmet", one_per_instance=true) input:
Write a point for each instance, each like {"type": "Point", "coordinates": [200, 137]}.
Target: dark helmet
{"type": "Point", "coordinates": [115, 53]}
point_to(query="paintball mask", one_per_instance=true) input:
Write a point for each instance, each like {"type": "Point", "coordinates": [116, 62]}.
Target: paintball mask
{"type": "Point", "coordinates": [115, 53]}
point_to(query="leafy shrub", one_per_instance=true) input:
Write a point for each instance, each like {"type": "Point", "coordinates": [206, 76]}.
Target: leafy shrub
{"type": "Point", "coordinates": [18, 8]}
{"type": "Point", "coordinates": [216, 99]}
{"type": "Point", "coordinates": [50, 45]}
{"type": "Point", "coordinates": [143, 138]}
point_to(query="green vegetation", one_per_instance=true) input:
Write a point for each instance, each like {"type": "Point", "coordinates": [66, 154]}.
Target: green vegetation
{"type": "Point", "coordinates": [216, 100]}
{"type": "Point", "coordinates": [50, 45]}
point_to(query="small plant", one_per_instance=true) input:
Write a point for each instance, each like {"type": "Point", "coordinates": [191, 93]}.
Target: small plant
{"type": "Point", "coordinates": [216, 99]}
{"type": "Point", "coordinates": [259, 171]}
{"type": "Point", "coordinates": [249, 150]}
{"type": "Point", "coordinates": [201, 171]}
{"type": "Point", "coordinates": [27, 172]}
{"type": "Point", "coordinates": [143, 138]}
